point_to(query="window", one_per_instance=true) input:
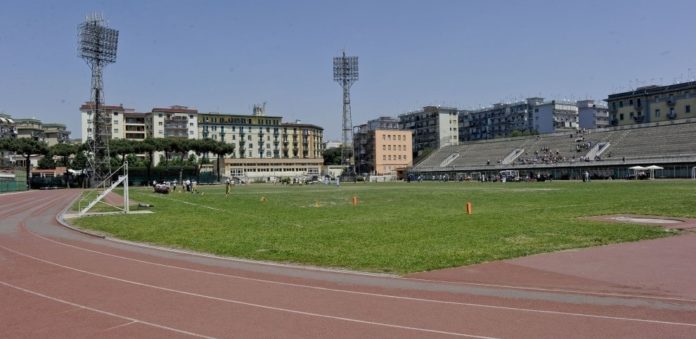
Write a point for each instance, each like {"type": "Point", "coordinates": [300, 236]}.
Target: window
{"type": "Point", "coordinates": [384, 157]}
{"type": "Point", "coordinates": [191, 124]}
{"type": "Point", "coordinates": [687, 108]}
{"type": "Point", "coordinates": [620, 103]}
{"type": "Point", "coordinates": [115, 130]}
{"type": "Point", "coordinates": [160, 123]}
{"type": "Point", "coordinates": [657, 113]}
{"type": "Point", "coordinates": [620, 118]}
{"type": "Point", "coordinates": [384, 147]}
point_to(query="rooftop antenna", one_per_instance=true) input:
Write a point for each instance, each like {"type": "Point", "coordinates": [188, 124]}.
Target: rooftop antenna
{"type": "Point", "coordinates": [345, 69]}
{"type": "Point", "coordinates": [97, 44]}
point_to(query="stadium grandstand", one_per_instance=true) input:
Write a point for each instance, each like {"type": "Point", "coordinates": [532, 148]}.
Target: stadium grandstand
{"type": "Point", "coordinates": [604, 153]}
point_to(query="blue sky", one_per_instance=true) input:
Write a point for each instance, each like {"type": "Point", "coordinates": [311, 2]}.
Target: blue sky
{"type": "Point", "coordinates": [227, 55]}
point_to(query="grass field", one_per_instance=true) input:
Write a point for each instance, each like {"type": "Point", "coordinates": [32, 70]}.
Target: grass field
{"type": "Point", "coordinates": [398, 227]}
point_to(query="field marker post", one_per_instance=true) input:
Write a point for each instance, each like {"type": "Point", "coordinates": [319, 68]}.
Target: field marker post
{"type": "Point", "coordinates": [469, 208]}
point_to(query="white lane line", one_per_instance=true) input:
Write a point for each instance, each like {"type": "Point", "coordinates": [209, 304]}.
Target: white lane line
{"type": "Point", "coordinates": [555, 290]}
{"type": "Point", "coordinates": [132, 320]}
{"type": "Point", "coordinates": [239, 302]}
{"type": "Point", "coordinates": [119, 326]}
{"type": "Point", "coordinates": [189, 203]}
{"type": "Point", "coordinates": [232, 276]}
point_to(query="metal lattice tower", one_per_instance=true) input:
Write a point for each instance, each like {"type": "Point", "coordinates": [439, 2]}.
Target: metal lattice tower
{"type": "Point", "coordinates": [346, 73]}
{"type": "Point", "coordinates": [97, 46]}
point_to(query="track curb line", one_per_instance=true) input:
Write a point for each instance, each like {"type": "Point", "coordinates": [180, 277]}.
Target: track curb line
{"type": "Point", "coordinates": [62, 222]}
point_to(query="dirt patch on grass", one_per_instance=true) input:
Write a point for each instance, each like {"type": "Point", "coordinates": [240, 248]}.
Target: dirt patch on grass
{"type": "Point", "coordinates": [667, 222]}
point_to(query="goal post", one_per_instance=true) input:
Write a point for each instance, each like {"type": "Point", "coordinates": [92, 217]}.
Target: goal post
{"type": "Point", "coordinates": [106, 187]}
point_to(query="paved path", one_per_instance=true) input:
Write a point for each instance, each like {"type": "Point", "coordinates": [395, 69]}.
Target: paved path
{"type": "Point", "coordinates": [59, 283]}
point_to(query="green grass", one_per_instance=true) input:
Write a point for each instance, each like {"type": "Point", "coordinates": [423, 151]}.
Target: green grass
{"type": "Point", "coordinates": [398, 227]}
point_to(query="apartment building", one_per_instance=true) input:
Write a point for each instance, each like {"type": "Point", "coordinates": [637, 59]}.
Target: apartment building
{"type": "Point", "coordinates": [432, 127]}
{"type": "Point", "coordinates": [265, 146]}
{"type": "Point", "coordinates": [55, 134]}
{"type": "Point", "coordinates": [113, 119]}
{"type": "Point", "coordinates": [8, 127]}
{"type": "Point", "coordinates": [173, 122]}
{"type": "Point", "coordinates": [533, 115]}
{"type": "Point", "coordinates": [555, 116]}
{"type": "Point", "coordinates": [381, 148]}
{"type": "Point", "coordinates": [592, 114]}
{"type": "Point", "coordinates": [653, 104]}
{"type": "Point", "coordinates": [499, 120]}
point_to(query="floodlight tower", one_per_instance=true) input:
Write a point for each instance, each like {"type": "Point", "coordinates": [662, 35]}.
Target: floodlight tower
{"type": "Point", "coordinates": [97, 46]}
{"type": "Point", "coordinates": [346, 73]}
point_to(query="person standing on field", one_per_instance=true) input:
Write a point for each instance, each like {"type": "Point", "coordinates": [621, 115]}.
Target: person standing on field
{"type": "Point", "coordinates": [227, 187]}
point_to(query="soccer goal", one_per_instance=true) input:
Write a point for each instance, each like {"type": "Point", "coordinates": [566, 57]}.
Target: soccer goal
{"type": "Point", "coordinates": [96, 195]}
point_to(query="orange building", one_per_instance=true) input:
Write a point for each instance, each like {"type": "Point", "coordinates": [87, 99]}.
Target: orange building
{"type": "Point", "coordinates": [384, 151]}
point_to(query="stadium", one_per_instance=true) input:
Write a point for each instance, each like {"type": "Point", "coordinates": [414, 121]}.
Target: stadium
{"type": "Point", "coordinates": [604, 153]}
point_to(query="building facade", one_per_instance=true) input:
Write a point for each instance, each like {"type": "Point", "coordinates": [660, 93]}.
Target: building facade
{"type": "Point", "coordinates": [56, 134]}
{"type": "Point", "coordinates": [432, 127]}
{"type": "Point", "coordinates": [8, 128]}
{"type": "Point", "coordinates": [530, 116]}
{"type": "Point", "coordinates": [381, 148]}
{"type": "Point", "coordinates": [173, 122]}
{"type": "Point", "coordinates": [592, 114]}
{"type": "Point", "coordinates": [555, 116]}
{"type": "Point", "coordinates": [30, 128]}
{"type": "Point", "coordinates": [265, 146]}
{"type": "Point", "coordinates": [114, 115]}
{"type": "Point", "coordinates": [653, 104]}
{"type": "Point", "coordinates": [499, 120]}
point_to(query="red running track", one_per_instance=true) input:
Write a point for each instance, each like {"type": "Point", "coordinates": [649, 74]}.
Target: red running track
{"type": "Point", "coordinates": [55, 282]}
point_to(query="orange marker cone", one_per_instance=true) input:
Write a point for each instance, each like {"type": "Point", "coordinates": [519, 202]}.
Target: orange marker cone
{"type": "Point", "coordinates": [469, 208]}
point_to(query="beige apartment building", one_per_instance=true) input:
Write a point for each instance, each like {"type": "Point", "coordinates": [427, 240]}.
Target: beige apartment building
{"type": "Point", "coordinates": [653, 104]}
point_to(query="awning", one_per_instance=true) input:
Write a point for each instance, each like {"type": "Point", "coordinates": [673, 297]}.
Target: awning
{"type": "Point", "coordinates": [638, 168]}
{"type": "Point", "coordinates": [654, 167]}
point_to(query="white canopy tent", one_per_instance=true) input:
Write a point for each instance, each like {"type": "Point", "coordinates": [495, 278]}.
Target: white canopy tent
{"type": "Point", "coordinates": [652, 169]}
{"type": "Point", "coordinates": [637, 170]}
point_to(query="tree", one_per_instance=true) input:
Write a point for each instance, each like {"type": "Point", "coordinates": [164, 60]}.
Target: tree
{"type": "Point", "coordinates": [80, 161]}
{"type": "Point", "coordinates": [47, 162]}
{"type": "Point", "coordinates": [221, 150]}
{"type": "Point", "coordinates": [149, 146]}
{"type": "Point", "coordinates": [122, 147]}
{"type": "Point", "coordinates": [64, 151]}
{"type": "Point", "coordinates": [26, 148]}
{"type": "Point", "coordinates": [332, 156]}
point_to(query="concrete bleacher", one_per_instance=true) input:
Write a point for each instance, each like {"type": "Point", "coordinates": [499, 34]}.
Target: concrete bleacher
{"type": "Point", "coordinates": [675, 140]}
{"type": "Point", "coordinates": [649, 142]}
